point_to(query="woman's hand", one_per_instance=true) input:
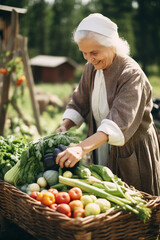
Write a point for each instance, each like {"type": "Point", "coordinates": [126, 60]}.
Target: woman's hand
{"type": "Point", "coordinates": [72, 155]}
{"type": "Point", "coordinates": [69, 157]}
{"type": "Point", "coordinates": [61, 129]}
{"type": "Point", "coordinates": [65, 126]}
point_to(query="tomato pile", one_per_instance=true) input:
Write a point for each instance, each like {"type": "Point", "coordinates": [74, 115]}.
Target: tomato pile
{"type": "Point", "coordinates": [67, 203]}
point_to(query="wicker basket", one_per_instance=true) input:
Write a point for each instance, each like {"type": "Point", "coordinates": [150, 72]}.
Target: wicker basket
{"type": "Point", "coordinates": [46, 224]}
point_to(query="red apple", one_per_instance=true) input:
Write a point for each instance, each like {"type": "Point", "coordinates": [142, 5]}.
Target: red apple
{"type": "Point", "coordinates": [64, 208]}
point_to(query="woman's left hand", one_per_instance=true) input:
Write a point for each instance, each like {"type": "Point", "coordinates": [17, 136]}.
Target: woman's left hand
{"type": "Point", "coordinates": [69, 157]}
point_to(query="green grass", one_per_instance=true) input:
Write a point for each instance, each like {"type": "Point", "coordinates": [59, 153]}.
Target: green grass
{"type": "Point", "coordinates": [62, 90]}
{"type": "Point", "coordinates": [50, 119]}
{"type": "Point", "coordinates": [155, 83]}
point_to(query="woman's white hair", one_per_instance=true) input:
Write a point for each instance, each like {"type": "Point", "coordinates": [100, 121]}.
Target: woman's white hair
{"type": "Point", "coordinates": [121, 46]}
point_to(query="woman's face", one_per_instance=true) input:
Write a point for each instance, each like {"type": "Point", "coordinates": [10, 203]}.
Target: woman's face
{"type": "Point", "coordinates": [100, 56]}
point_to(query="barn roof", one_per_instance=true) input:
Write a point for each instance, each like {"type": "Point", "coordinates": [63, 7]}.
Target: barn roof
{"type": "Point", "coordinates": [51, 61]}
{"type": "Point", "coordinates": [9, 9]}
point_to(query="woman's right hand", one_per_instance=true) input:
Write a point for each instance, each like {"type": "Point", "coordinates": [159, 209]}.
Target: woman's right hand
{"type": "Point", "coordinates": [65, 126]}
{"type": "Point", "coordinates": [61, 129]}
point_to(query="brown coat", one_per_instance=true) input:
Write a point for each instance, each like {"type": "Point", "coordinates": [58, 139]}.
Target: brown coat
{"type": "Point", "coordinates": [130, 103]}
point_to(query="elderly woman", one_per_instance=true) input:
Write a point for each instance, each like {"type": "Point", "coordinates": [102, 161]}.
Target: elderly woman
{"type": "Point", "coordinates": [115, 95]}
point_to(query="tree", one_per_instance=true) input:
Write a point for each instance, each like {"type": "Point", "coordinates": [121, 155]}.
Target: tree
{"type": "Point", "coordinates": [121, 13]}
{"type": "Point", "coordinates": [62, 27]}
{"type": "Point", "coordinates": [147, 32]}
{"type": "Point", "coordinates": [35, 25]}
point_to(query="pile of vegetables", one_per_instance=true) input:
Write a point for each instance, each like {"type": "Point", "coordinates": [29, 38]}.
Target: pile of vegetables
{"type": "Point", "coordinates": [101, 182]}
{"type": "Point", "coordinates": [11, 150]}
{"type": "Point", "coordinates": [43, 182]}
{"type": "Point", "coordinates": [98, 185]}
{"type": "Point", "coordinates": [95, 187]}
{"type": "Point", "coordinates": [31, 161]}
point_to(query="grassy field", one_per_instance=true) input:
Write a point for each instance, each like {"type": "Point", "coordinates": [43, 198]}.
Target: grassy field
{"type": "Point", "coordinates": [155, 83]}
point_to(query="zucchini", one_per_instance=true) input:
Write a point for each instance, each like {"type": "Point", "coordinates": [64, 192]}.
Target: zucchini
{"type": "Point", "coordinates": [93, 173]}
{"type": "Point", "coordinates": [103, 171]}
{"type": "Point", "coordinates": [82, 171]}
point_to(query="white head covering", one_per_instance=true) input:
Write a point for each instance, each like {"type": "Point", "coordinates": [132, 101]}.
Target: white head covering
{"type": "Point", "coordinates": [98, 23]}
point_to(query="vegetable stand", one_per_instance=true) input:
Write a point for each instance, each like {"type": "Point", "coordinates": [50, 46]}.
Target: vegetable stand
{"type": "Point", "coordinates": [43, 223]}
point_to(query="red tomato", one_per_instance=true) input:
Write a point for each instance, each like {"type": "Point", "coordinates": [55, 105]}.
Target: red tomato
{"type": "Point", "coordinates": [64, 208]}
{"type": "Point", "coordinates": [53, 191]}
{"type": "Point", "coordinates": [75, 204]}
{"type": "Point", "coordinates": [79, 212]}
{"type": "Point", "coordinates": [34, 195]}
{"type": "Point", "coordinates": [62, 197]}
{"type": "Point", "coordinates": [53, 206]}
{"type": "Point", "coordinates": [75, 193]}
{"type": "Point", "coordinates": [48, 198]}
{"type": "Point", "coordinates": [20, 80]}
{"type": "Point", "coordinates": [4, 71]}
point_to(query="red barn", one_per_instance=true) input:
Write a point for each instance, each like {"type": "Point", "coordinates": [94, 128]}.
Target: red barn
{"type": "Point", "coordinates": [53, 69]}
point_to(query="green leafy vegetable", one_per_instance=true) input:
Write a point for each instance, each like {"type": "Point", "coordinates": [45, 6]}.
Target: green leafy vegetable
{"type": "Point", "coordinates": [31, 159]}
{"type": "Point", "coordinates": [11, 150]}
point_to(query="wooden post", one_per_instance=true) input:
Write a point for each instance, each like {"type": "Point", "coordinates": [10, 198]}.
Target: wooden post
{"type": "Point", "coordinates": [22, 44]}
{"type": "Point", "coordinates": [6, 80]}
{"type": "Point", "coordinates": [19, 112]}
{"type": "Point", "coordinates": [18, 44]}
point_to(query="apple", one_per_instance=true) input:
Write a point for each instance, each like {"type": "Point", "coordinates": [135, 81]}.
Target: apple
{"type": "Point", "coordinates": [79, 212]}
{"type": "Point", "coordinates": [62, 197]}
{"type": "Point", "coordinates": [64, 208]}
{"type": "Point", "coordinates": [85, 199]}
{"type": "Point", "coordinates": [53, 206]}
{"type": "Point", "coordinates": [34, 195]}
{"type": "Point", "coordinates": [53, 191]}
{"type": "Point", "coordinates": [74, 204]}
{"type": "Point", "coordinates": [92, 209]}
{"type": "Point", "coordinates": [104, 204]}
{"type": "Point", "coordinates": [75, 193]}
